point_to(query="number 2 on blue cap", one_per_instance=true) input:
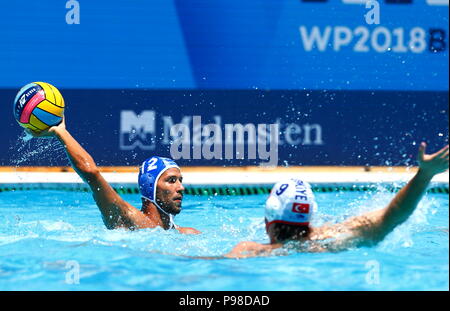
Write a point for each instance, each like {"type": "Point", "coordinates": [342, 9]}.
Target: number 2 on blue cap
{"type": "Point", "coordinates": [151, 164]}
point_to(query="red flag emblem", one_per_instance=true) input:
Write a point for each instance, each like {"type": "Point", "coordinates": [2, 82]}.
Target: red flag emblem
{"type": "Point", "coordinates": [300, 208]}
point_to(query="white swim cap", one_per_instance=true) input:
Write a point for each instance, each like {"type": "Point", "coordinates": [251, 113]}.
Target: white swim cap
{"type": "Point", "coordinates": [290, 202]}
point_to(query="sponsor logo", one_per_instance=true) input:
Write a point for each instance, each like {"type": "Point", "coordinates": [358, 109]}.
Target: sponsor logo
{"type": "Point", "coordinates": [192, 138]}
{"type": "Point", "coordinates": [22, 100]}
{"type": "Point", "coordinates": [137, 130]}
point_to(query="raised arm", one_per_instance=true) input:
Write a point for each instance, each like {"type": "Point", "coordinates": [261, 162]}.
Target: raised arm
{"type": "Point", "coordinates": [372, 227]}
{"type": "Point", "coordinates": [116, 213]}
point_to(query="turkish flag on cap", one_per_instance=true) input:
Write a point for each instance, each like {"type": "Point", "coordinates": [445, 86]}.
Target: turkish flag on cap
{"type": "Point", "coordinates": [300, 208]}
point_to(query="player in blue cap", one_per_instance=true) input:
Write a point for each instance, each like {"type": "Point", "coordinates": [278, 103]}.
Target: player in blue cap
{"type": "Point", "coordinates": [154, 173]}
{"type": "Point", "coordinates": [160, 183]}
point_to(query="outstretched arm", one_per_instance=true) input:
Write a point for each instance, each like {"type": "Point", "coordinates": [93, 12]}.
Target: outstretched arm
{"type": "Point", "coordinates": [372, 227]}
{"type": "Point", "coordinates": [115, 211]}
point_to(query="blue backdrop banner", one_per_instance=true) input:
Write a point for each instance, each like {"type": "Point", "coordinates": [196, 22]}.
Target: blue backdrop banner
{"type": "Point", "coordinates": [124, 127]}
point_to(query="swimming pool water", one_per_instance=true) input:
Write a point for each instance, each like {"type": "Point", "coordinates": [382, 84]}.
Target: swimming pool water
{"type": "Point", "coordinates": [56, 240]}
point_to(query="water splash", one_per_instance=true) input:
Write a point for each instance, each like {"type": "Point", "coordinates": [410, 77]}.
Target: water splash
{"type": "Point", "coordinates": [26, 150]}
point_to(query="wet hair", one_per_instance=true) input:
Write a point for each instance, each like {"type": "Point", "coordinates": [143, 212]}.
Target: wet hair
{"type": "Point", "coordinates": [285, 232]}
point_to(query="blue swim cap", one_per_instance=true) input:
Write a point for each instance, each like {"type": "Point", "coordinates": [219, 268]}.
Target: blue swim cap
{"type": "Point", "coordinates": [149, 173]}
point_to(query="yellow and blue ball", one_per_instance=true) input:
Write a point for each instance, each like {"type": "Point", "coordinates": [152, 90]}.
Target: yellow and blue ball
{"type": "Point", "coordinates": [38, 106]}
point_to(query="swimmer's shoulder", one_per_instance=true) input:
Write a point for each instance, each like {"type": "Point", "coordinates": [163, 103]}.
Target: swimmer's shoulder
{"type": "Point", "coordinates": [327, 231]}
{"type": "Point", "coordinates": [350, 227]}
{"type": "Point", "coordinates": [251, 249]}
{"type": "Point", "coordinates": [187, 230]}
{"type": "Point", "coordinates": [330, 238]}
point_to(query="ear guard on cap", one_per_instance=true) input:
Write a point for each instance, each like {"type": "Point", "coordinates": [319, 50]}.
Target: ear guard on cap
{"type": "Point", "coordinates": [146, 186]}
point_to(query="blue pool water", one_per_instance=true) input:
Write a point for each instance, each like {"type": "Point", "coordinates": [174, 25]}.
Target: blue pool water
{"type": "Point", "coordinates": [55, 240]}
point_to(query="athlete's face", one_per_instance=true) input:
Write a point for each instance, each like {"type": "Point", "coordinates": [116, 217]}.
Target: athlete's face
{"type": "Point", "coordinates": [169, 191]}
